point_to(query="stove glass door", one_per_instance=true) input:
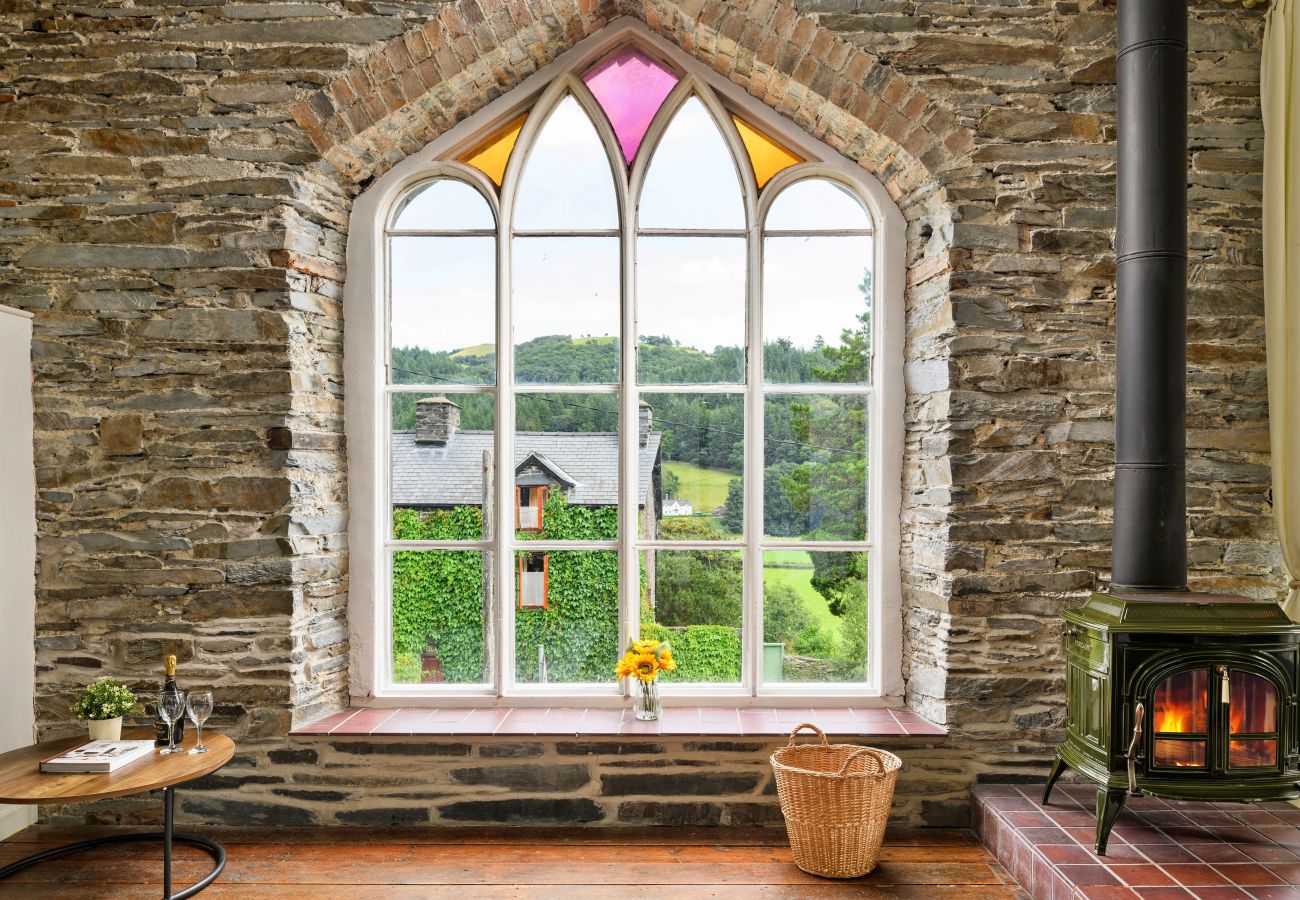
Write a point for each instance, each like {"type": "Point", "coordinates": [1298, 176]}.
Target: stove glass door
{"type": "Point", "coordinates": [1252, 718]}
{"type": "Point", "coordinates": [1181, 720]}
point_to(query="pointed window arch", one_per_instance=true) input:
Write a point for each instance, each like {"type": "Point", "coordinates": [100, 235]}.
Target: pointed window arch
{"type": "Point", "coordinates": [635, 325]}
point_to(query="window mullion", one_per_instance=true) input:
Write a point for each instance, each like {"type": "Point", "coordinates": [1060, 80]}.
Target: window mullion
{"type": "Point", "coordinates": [629, 443]}
{"type": "Point", "coordinates": [752, 620]}
{"type": "Point", "coordinates": [502, 594]}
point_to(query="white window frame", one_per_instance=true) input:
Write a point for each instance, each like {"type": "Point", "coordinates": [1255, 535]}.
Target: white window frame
{"type": "Point", "coordinates": [366, 398]}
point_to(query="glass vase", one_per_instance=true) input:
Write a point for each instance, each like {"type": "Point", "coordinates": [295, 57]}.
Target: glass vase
{"type": "Point", "coordinates": [647, 701]}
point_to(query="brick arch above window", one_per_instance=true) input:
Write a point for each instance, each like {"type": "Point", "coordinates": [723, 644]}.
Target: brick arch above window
{"type": "Point", "coordinates": [419, 85]}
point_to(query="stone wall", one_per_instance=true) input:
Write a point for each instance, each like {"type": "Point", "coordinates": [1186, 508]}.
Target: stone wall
{"type": "Point", "coordinates": [515, 780]}
{"type": "Point", "coordinates": [175, 182]}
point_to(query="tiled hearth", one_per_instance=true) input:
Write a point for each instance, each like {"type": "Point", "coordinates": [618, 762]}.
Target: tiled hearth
{"type": "Point", "coordinates": [1160, 849]}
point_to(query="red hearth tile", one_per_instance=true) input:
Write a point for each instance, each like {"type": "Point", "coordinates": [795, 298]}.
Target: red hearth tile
{"type": "Point", "coordinates": [1086, 836]}
{"type": "Point", "coordinates": [1087, 875]}
{"type": "Point", "coordinates": [1143, 834]}
{"type": "Point", "coordinates": [1142, 875]}
{"type": "Point", "coordinates": [1255, 817]}
{"type": "Point", "coordinates": [1108, 892]}
{"type": "Point", "coordinates": [1002, 804]}
{"type": "Point", "coordinates": [1188, 834]}
{"type": "Point", "coordinates": [1027, 819]}
{"type": "Point", "coordinates": [1067, 853]}
{"type": "Point", "coordinates": [1219, 853]}
{"type": "Point", "coordinates": [1166, 893]}
{"type": "Point", "coordinates": [1119, 853]}
{"type": "Point", "coordinates": [1288, 872]}
{"type": "Point", "coordinates": [1052, 835]}
{"type": "Point", "coordinates": [1240, 834]}
{"type": "Point", "coordinates": [1194, 874]}
{"type": "Point", "coordinates": [1076, 817]}
{"type": "Point", "coordinates": [1166, 853]}
{"type": "Point", "coordinates": [1269, 853]}
{"type": "Point", "coordinates": [1163, 817]}
{"type": "Point", "coordinates": [1221, 893]}
{"type": "Point", "coordinates": [1247, 874]}
{"type": "Point", "coordinates": [1282, 834]}
{"type": "Point", "coordinates": [1275, 893]}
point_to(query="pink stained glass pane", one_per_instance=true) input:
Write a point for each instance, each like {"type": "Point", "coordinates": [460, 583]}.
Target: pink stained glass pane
{"type": "Point", "coordinates": [630, 88]}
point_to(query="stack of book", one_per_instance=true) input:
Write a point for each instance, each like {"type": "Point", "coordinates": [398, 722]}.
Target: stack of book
{"type": "Point", "coordinates": [98, 756]}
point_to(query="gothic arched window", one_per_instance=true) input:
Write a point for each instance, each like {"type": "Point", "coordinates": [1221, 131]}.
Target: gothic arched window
{"type": "Point", "coordinates": [624, 359]}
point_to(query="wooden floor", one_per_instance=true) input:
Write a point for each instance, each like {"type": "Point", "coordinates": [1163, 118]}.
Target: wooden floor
{"type": "Point", "coordinates": [449, 864]}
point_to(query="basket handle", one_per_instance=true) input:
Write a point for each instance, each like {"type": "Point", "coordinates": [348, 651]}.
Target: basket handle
{"type": "Point", "coordinates": [858, 752]}
{"type": "Point", "coordinates": [821, 734]}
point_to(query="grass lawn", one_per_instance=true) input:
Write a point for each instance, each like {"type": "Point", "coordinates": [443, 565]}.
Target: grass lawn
{"type": "Point", "coordinates": [705, 488]}
{"type": "Point", "coordinates": [801, 580]}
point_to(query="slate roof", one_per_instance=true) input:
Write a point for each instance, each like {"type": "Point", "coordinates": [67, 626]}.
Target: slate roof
{"type": "Point", "coordinates": [451, 474]}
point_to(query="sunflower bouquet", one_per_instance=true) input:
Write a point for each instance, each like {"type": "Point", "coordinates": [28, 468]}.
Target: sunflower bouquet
{"type": "Point", "coordinates": [643, 661]}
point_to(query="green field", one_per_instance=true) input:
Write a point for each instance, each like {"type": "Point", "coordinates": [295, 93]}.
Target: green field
{"type": "Point", "coordinates": [801, 580]}
{"type": "Point", "coordinates": [705, 488]}
{"type": "Point", "coordinates": [476, 350]}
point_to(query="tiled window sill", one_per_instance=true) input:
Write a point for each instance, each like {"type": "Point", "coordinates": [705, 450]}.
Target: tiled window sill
{"type": "Point", "coordinates": [592, 722]}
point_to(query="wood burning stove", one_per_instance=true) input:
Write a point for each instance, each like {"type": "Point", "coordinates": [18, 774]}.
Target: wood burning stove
{"type": "Point", "coordinates": [1191, 696]}
{"type": "Point", "coordinates": [1180, 694]}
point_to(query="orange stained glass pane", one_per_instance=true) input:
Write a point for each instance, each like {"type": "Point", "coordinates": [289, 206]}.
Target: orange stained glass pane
{"type": "Point", "coordinates": [490, 156]}
{"type": "Point", "coordinates": [767, 156]}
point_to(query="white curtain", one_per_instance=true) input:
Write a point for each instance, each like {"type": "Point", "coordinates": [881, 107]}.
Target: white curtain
{"type": "Point", "coordinates": [1280, 93]}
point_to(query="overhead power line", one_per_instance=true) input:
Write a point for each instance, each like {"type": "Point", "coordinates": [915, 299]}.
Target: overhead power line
{"type": "Point", "coordinates": [692, 425]}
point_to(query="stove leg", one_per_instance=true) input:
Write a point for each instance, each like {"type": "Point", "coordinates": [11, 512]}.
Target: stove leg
{"type": "Point", "coordinates": [1058, 767]}
{"type": "Point", "coordinates": [1110, 801]}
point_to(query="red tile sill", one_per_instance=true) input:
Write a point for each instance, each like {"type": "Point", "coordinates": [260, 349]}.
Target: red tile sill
{"type": "Point", "coordinates": [595, 722]}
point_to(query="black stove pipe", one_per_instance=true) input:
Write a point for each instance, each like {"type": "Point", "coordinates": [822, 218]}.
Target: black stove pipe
{"type": "Point", "coordinates": [1149, 549]}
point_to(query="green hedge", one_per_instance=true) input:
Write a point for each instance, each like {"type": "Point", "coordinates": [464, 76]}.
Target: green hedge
{"type": "Point", "coordinates": [702, 652]}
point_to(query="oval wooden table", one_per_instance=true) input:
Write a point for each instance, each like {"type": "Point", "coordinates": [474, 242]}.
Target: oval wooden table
{"type": "Point", "coordinates": [22, 781]}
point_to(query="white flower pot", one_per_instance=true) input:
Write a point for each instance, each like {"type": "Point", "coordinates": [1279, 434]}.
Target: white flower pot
{"type": "Point", "coordinates": [105, 729]}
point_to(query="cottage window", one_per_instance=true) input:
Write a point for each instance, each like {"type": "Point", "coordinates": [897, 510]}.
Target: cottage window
{"type": "Point", "coordinates": [639, 370]}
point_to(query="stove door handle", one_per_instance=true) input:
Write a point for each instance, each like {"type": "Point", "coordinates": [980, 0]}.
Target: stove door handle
{"type": "Point", "coordinates": [1139, 713]}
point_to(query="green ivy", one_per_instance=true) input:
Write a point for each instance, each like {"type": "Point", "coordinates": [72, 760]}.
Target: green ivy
{"type": "Point", "coordinates": [438, 596]}
{"type": "Point", "coordinates": [438, 605]}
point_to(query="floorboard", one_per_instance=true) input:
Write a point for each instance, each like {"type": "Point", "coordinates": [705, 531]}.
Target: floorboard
{"type": "Point", "coordinates": [396, 864]}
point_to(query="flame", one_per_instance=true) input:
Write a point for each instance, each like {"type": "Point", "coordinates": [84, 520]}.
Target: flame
{"type": "Point", "coordinates": [1173, 720]}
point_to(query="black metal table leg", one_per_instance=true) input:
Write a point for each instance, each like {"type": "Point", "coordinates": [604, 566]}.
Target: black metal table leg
{"type": "Point", "coordinates": [167, 843]}
{"type": "Point", "coordinates": [167, 835]}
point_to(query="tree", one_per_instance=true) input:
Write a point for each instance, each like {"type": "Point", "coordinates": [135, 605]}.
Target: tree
{"type": "Point", "coordinates": [697, 587]}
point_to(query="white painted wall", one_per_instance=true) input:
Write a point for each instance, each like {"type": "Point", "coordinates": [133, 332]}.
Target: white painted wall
{"type": "Point", "coordinates": [17, 548]}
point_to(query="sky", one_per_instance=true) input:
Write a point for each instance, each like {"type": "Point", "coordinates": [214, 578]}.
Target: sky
{"type": "Point", "coordinates": [691, 289]}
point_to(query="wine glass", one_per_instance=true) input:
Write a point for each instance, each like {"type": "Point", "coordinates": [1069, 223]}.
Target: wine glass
{"type": "Point", "coordinates": [199, 706]}
{"type": "Point", "coordinates": [172, 705]}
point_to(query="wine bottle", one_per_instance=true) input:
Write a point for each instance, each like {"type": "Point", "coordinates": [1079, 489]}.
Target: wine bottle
{"type": "Point", "coordinates": [161, 727]}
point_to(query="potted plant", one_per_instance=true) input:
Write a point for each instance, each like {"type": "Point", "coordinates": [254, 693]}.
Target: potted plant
{"type": "Point", "coordinates": [643, 661]}
{"type": "Point", "coordinates": [103, 703]}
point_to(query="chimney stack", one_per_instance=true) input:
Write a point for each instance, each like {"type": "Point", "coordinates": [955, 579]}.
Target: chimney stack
{"type": "Point", "coordinates": [436, 420]}
{"type": "Point", "coordinates": [645, 418]}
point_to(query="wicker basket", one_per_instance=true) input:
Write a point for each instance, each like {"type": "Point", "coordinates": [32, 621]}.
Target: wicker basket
{"type": "Point", "coordinates": [835, 799]}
